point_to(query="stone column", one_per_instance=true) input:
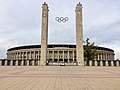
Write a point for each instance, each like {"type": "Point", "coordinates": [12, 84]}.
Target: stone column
{"type": "Point", "coordinates": [68, 57]}
{"type": "Point", "coordinates": [73, 57]}
{"type": "Point", "coordinates": [17, 56]}
{"type": "Point", "coordinates": [39, 55]}
{"type": "Point", "coordinates": [30, 55]}
{"type": "Point", "coordinates": [27, 62]}
{"type": "Point", "coordinates": [0, 62]}
{"type": "Point", "coordinates": [79, 35]}
{"type": "Point", "coordinates": [105, 56]}
{"type": "Point", "coordinates": [58, 57]}
{"type": "Point", "coordinates": [21, 55]}
{"type": "Point", "coordinates": [106, 63]}
{"type": "Point", "coordinates": [16, 62]}
{"type": "Point", "coordinates": [38, 62]}
{"type": "Point", "coordinates": [33, 63]}
{"type": "Point", "coordinates": [44, 38]}
{"type": "Point", "coordinates": [90, 63]}
{"type": "Point", "coordinates": [85, 63]}
{"type": "Point", "coordinates": [26, 56]}
{"type": "Point", "coordinates": [112, 56]}
{"type": "Point", "coordinates": [117, 62]}
{"type": "Point", "coordinates": [34, 58]}
{"type": "Point", "coordinates": [22, 63]}
{"type": "Point", "coordinates": [108, 57]}
{"type": "Point", "coordinates": [95, 63]}
{"type": "Point", "coordinates": [34, 55]}
{"type": "Point", "coordinates": [63, 56]}
{"type": "Point", "coordinates": [101, 57]}
{"type": "Point", "coordinates": [5, 62]}
{"type": "Point", "coordinates": [98, 57]}
{"type": "Point", "coordinates": [11, 63]}
{"type": "Point", "coordinates": [53, 56]}
{"type": "Point", "coordinates": [112, 63]}
{"type": "Point", "coordinates": [101, 63]}
{"type": "Point", "coordinates": [47, 57]}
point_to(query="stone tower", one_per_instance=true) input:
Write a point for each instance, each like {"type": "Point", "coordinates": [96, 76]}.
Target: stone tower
{"type": "Point", "coordinates": [79, 35]}
{"type": "Point", "coordinates": [44, 36]}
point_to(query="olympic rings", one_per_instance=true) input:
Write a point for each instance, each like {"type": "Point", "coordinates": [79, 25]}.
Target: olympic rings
{"type": "Point", "coordinates": [61, 19]}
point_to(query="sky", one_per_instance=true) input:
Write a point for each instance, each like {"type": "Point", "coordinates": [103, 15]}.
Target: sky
{"type": "Point", "coordinates": [20, 23]}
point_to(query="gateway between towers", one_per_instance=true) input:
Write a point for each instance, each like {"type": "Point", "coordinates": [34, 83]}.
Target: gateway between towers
{"type": "Point", "coordinates": [79, 35]}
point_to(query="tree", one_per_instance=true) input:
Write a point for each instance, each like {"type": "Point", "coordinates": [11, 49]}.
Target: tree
{"type": "Point", "coordinates": [90, 52]}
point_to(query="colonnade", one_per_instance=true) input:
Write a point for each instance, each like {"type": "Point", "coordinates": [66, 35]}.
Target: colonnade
{"type": "Point", "coordinates": [26, 55]}
{"type": "Point", "coordinates": [59, 54]}
{"type": "Point", "coordinates": [62, 56]}
{"type": "Point", "coordinates": [32, 57]}
{"type": "Point", "coordinates": [102, 63]}
{"type": "Point", "coordinates": [37, 63]}
{"type": "Point", "coordinates": [105, 56]}
{"type": "Point", "coordinates": [19, 62]}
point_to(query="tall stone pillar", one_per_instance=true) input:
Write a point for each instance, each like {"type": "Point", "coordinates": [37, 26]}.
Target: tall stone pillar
{"type": "Point", "coordinates": [44, 38]}
{"type": "Point", "coordinates": [79, 35]}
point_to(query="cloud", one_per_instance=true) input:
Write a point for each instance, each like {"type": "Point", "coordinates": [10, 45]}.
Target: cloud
{"type": "Point", "coordinates": [106, 34]}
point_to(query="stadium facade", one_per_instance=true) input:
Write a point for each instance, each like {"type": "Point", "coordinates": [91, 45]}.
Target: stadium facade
{"type": "Point", "coordinates": [56, 54]}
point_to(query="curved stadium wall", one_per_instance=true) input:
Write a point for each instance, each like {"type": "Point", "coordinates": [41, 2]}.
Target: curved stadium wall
{"type": "Point", "coordinates": [56, 53]}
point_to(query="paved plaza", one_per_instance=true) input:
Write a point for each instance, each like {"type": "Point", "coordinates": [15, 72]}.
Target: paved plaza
{"type": "Point", "coordinates": [59, 78]}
